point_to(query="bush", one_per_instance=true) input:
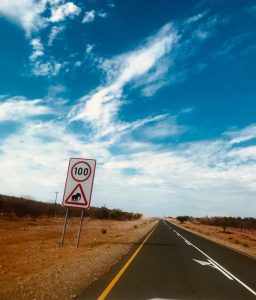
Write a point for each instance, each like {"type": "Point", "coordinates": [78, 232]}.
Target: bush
{"type": "Point", "coordinates": [182, 219]}
{"type": "Point", "coordinates": [103, 230]}
{"type": "Point", "coordinates": [224, 222]}
{"type": "Point", "coordinates": [21, 207]}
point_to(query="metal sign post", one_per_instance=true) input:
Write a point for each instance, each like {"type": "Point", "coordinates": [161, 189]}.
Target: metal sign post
{"type": "Point", "coordinates": [64, 228]}
{"type": "Point", "coordinates": [80, 226]}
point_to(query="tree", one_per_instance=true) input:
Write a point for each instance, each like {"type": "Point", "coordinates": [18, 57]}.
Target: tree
{"type": "Point", "coordinates": [182, 219]}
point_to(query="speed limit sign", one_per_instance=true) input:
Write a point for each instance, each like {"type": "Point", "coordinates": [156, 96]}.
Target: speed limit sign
{"type": "Point", "coordinates": [79, 182]}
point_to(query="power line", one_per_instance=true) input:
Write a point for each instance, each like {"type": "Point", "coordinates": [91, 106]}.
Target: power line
{"type": "Point", "coordinates": [55, 203]}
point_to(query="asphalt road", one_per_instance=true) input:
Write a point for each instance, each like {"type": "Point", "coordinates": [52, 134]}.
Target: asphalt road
{"type": "Point", "coordinates": [175, 264]}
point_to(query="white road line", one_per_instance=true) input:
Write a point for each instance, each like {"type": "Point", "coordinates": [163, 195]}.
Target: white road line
{"type": "Point", "coordinates": [211, 264]}
{"type": "Point", "coordinates": [188, 242]}
{"type": "Point", "coordinates": [214, 262]}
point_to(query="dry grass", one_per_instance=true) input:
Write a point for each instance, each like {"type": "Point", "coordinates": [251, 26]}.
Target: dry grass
{"type": "Point", "coordinates": [243, 241]}
{"type": "Point", "coordinates": [33, 266]}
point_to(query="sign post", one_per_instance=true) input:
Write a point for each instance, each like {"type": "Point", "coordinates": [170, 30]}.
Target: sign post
{"type": "Point", "coordinates": [78, 188]}
{"type": "Point", "coordinates": [79, 230]}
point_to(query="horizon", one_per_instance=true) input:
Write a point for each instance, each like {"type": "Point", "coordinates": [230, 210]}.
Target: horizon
{"type": "Point", "coordinates": [161, 96]}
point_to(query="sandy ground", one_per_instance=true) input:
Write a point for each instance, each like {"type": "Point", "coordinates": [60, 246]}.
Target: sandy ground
{"type": "Point", "coordinates": [33, 266]}
{"type": "Point", "coordinates": [242, 241]}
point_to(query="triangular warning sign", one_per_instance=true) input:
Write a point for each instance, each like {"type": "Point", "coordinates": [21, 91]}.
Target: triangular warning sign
{"type": "Point", "coordinates": [77, 197]}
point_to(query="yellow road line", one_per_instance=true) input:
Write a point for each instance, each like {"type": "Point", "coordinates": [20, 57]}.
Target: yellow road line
{"type": "Point", "coordinates": [121, 272]}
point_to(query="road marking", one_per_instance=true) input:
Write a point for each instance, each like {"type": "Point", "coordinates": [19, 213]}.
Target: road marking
{"type": "Point", "coordinates": [222, 268]}
{"type": "Point", "coordinates": [121, 272]}
{"type": "Point", "coordinates": [211, 264]}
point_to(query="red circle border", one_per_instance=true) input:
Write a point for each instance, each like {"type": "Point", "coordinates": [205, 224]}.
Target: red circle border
{"type": "Point", "coordinates": [90, 171]}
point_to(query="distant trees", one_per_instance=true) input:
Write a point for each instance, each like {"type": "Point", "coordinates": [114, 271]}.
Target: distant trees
{"type": "Point", "coordinates": [225, 222]}
{"type": "Point", "coordinates": [182, 219]}
{"type": "Point", "coordinates": [21, 207]}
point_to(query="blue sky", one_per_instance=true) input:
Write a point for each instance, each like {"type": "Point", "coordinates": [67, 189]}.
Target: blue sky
{"type": "Point", "coordinates": [161, 95]}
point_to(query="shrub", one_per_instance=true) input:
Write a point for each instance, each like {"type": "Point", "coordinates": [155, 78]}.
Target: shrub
{"type": "Point", "coordinates": [182, 219]}
{"type": "Point", "coordinates": [103, 230]}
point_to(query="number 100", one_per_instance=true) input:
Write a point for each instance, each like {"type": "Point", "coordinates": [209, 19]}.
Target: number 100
{"type": "Point", "coordinates": [81, 171]}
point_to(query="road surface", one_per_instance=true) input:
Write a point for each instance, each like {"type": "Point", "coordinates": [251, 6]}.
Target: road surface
{"type": "Point", "coordinates": [175, 264]}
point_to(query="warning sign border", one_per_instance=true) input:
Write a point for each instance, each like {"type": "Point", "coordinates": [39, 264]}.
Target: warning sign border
{"type": "Point", "coordinates": [83, 159]}
{"type": "Point", "coordinates": [74, 203]}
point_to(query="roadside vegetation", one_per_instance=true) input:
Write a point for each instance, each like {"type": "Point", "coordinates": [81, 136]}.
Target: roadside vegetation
{"type": "Point", "coordinates": [244, 224]}
{"type": "Point", "coordinates": [21, 207]}
{"type": "Point", "coordinates": [236, 233]}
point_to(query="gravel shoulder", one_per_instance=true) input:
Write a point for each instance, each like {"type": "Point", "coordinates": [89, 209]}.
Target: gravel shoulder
{"type": "Point", "coordinates": [33, 266]}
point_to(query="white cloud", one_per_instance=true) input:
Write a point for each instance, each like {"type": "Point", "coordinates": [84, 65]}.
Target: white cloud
{"type": "Point", "coordinates": [29, 14]}
{"type": "Point", "coordinates": [46, 69]}
{"type": "Point", "coordinates": [202, 34]}
{"type": "Point", "coordinates": [243, 135]}
{"type": "Point", "coordinates": [196, 18]}
{"type": "Point", "coordinates": [89, 16]}
{"type": "Point", "coordinates": [101, 107]}
{"type": "Point", "coordinates": [60, 13]}
{"type": "Point", "coordinates": [78, 64]}
{"type": "Point", "coordinates": [102, 14]}
{"type": "Point", "coordinates": [89, 48]}
{"type": "Point", "coordinates": [92, 14]}
{"type": "Point", "coordinates": [18, 108]}
{"type": "Point", "coordinates": [163, 129]}
{"type": "Point", "coordinates": [39, 65]}
{"type": "Point", "coordinates": [26, 13]}
{"type": "Point", "coordinates": [38, 49]}
{"type": "Point", "coordinates": [197, 178]}
{"type": "Point", "coordinates": [53, 34]}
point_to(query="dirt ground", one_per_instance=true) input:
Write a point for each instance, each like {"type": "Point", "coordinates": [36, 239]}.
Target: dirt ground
{"type": "Point", "coordinates": [240, 240]}
{"type": "Point", "coordinates": [33, 266]}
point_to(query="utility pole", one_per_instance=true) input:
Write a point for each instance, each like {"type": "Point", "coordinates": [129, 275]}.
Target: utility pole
{"type": "Point", "coordinates": [55, 203]}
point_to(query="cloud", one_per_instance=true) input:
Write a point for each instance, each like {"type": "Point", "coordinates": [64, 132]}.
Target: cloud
{"type": "Point", "coordinates": [243, 135]}
{"type": "Point", "coordinates": [26, 13]}
{"type": "Point", "coordinates": [197, 178]}
{"type": "Point", "coordinates": [103, 14]}
{"type": "Point", "coordinates": [89, 16]}
{"type": "Point", "coordinates": [55, 30]}
{"type": "Point", "coordinates": [78, 63]}
{"type": "Point", "coordinates": [92, 14]}
{"type": "Point", "coordinates": [30, 14]}
{"type": "Point", "coordinates": [101, 107]}
{"type": "Point", "coordinates": [196, 18]}
{"type": "Point", "coordinates": [60, 13]}
{"type": "Point", "coordinates": [46, 69]}
{"type": "Point", "coordinates": [18, 108]}
{"type": "Point", "coordinates": [39, 64]}
{"type": "Point", "coordinates": [163, 129]}
{"type": "Point", "coordinates": [89, 48]}
{"type": "Point", "coordinates": [38, 49]}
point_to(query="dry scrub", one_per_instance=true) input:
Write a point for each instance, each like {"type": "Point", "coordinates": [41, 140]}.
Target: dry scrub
{"type": "Point", "coordinates": [33, 266]}
{"type": "Point", "coordinates": [243, 241]}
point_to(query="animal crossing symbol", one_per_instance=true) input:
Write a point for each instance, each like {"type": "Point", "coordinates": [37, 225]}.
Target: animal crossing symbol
{"type": "Point", "coordinates": [77, 196]}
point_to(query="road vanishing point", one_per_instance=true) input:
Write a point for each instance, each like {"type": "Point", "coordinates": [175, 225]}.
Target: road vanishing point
{"type": "Point", "coordinates": [171, 263]}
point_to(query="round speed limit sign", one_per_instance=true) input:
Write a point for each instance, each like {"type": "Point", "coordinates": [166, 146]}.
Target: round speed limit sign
{"type": "Point", "coordinates": [81, 171]}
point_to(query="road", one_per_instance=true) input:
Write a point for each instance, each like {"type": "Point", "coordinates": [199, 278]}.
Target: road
{"type": "Point", "coordinates": [175, 264]}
